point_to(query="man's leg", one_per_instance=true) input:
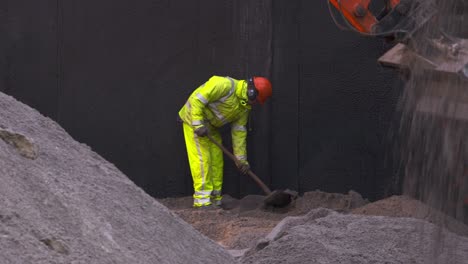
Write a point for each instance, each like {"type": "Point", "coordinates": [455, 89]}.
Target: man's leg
{"type": "Point", "coordinates": [198, 152]}
{"type": "Point", "coordinates": [217, 165]}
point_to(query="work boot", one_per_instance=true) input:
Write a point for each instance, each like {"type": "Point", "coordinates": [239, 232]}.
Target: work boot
{"type": "Point", "coordinates": [218, 203]}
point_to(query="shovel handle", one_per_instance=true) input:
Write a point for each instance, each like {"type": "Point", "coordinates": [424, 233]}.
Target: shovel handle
{"type": "Point", "coordinates": [249, 172]}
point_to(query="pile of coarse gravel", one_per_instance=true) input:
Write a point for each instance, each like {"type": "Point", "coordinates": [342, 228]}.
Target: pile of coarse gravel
{"type": "Point", "coordinates": [325, 236]}
{"type": "Point", "coordinates": [63, 203]}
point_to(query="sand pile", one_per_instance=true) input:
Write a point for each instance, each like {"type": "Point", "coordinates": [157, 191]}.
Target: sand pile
{"type": "Point", "coordinates": [63, 203]}
{"type": "Point", "coordinates": [325, 236]}
{"type": "Point", "coordinates": [404, 206]}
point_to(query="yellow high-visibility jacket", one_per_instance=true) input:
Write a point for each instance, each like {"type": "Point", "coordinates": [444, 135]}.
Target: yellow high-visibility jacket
{"type": "Point", "coordinates": [219, 101]}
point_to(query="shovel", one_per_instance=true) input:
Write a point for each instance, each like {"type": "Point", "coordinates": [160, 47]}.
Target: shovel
{"type": "Point", "coordinates": [276, 198]}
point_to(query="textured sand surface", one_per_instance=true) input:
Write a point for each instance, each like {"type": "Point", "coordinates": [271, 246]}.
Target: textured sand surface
{"type": "Point", "coordinates": [62, 203]}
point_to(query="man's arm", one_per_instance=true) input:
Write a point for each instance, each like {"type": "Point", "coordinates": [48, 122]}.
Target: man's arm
{"type": "Point", "coordinates": [239, 137]}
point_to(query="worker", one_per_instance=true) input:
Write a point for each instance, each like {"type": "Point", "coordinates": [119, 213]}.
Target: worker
{"type": "Point", "coordinates": [219, 101]}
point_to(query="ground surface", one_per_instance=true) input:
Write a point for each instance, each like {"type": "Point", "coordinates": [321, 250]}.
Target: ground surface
{"type": "Point", "coordinates": [242, 222]}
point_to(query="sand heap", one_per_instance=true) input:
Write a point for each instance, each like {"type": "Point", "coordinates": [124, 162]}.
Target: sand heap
{"type": "Point", "coordinates": [404, 206]}
{"type": "Point", "coordinates": [63, 203]}
{"type": "Point", "coordinates": [325, 236]}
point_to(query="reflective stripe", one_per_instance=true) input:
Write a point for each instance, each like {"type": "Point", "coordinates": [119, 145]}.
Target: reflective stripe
{"type": "Point", "coordinates": [239, 128]}
{"type": "Point", "coordinates": [201, 98]}
{"type": "Point", "coordinates": [202, 201]}
{"type": "Point", "coordinates": [197, 123]}
{"type": "Point", "coordinates": [202, 169]}
{"type": "Point", "coordinates": [203, 193]}
{"type": "Point", "coordinates": [243, 157]}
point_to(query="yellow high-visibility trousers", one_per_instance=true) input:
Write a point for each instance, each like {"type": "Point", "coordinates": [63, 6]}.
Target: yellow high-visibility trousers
{"type": "Point", "coordinates": [206, 165]}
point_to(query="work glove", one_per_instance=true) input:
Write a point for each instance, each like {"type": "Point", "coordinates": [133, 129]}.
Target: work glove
{"type": "Point", "coordinates": [201, 131]}
{"type": "Point", "coordinates": [243, 167]}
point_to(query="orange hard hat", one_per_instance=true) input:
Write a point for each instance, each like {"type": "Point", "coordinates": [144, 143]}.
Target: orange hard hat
{"type": "Point", "coordinates": [263, 86]}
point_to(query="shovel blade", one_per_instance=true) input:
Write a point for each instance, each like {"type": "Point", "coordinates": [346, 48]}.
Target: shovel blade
{"type": "Point", "coordinates": [279, 198]}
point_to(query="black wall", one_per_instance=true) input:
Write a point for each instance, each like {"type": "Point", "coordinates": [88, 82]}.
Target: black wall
{"type": "Point", "coordinates": [332, 123]}
{"type": "Point", "coordinates": [115, 73]}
